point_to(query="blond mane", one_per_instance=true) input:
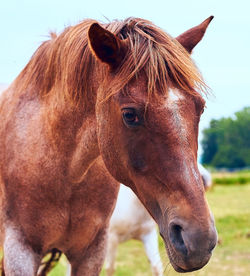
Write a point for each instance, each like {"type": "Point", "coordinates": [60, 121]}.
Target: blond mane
{"type": "Point", "coordinates": [64, 64]}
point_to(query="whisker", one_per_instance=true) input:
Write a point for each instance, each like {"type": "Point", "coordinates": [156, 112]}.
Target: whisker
{"type": "Point", "coordinates": [167, 267]}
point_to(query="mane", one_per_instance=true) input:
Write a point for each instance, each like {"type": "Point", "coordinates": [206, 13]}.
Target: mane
{"type": "Point", "coordinates": [64, 64]}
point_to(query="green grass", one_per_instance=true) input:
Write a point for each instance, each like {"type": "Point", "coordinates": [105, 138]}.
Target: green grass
{"type": "Point", "coordinates": [229, 178]}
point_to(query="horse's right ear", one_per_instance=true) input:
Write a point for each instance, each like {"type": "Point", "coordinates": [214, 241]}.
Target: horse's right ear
{"type": "Point", "coordinates": [106, 46]}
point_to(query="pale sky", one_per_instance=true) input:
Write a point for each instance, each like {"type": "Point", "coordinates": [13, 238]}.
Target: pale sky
{"type": "Point", "coordinates": [223, 56]}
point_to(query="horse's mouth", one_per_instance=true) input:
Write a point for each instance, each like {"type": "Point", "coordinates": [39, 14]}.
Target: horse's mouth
{"type": "Point", "coordinates": [181, 270]}
{"type": "Point", "coordinates": [177, 267]}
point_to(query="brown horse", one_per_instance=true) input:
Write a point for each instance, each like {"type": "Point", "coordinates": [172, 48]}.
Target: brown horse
{"type": "Point", "coordinates": [128, 94]}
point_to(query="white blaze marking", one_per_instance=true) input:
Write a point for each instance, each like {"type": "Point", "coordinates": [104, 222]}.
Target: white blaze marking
{"type": "Point", "coordinates": [173, 104]}
{"type": "Point", "coordinates": [174, 96]}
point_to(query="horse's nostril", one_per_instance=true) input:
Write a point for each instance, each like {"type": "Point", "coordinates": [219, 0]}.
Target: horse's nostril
{"type": "Point", "coordinates": [175, 235]}
{"type": "Point", "coordinates": [213, 243]}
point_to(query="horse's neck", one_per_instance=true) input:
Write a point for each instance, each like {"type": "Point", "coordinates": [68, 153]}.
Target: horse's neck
{"type": "Point", "coordinates": [72, 130]}
{"type": "Point", "coordinates": [86, 150]}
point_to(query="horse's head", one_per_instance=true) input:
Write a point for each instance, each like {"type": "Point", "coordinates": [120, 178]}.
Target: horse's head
{"type": "Point", "coordinates": [148, 114]}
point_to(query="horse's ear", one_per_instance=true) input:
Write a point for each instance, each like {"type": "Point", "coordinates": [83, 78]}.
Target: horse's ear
{"type": "Point", "coordinates": [106, 46]}
{"type": "Point", "coordinates": [192, 37]}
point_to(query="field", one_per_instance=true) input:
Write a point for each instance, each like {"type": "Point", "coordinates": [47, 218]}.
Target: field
{"type": "Point", "coordinates": [230, 204]}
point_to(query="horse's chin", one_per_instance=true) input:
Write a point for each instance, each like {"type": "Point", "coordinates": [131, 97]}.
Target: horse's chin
{"type": "Point", "coordinates": [181, 270]}
{"type": "Point", "coordinates": [184, 270]}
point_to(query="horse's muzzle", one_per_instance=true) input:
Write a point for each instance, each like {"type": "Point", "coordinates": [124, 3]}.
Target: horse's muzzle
{"type": "Point", "coordinates": [189, 246]}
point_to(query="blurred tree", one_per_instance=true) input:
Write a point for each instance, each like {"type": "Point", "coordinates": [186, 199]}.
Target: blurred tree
{"type": "Point", "coordinates": [226, 143]}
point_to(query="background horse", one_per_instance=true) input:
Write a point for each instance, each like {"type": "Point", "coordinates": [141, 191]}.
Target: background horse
{"type": "Point", "coordinates": [126, 93]}
{"type": "Point", "coordinates": [206, 177]}
{"type": "Point", "coordinates": [131, 220]}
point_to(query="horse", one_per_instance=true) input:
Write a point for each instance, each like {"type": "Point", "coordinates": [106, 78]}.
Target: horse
{"type": "Point", "coordinates": [121, 99]}
{"type": "Point", "coordinates": [130, 220]}
{"type": "Point", "coordinates": [206, 177]}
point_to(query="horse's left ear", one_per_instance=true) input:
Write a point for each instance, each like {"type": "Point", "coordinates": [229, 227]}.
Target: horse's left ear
{"type": "Point", "coordinates": [192, 37]}
{"type": "Point", "coordinates": [106, 46]}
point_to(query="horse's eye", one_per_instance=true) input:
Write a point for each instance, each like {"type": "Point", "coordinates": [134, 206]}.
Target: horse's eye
{"type": "Point", "coordinates": [130, 117]}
